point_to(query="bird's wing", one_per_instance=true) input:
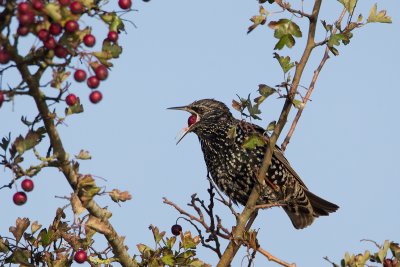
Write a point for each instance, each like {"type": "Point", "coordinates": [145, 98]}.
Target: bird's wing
{"type": "Point", "coordinates": [278, 153]}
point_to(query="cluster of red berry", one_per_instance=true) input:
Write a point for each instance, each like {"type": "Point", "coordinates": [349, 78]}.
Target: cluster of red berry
{"type": "Point", "coordinates": [20, 197]}
{"type": "Point", "coordinates": [55, 23]}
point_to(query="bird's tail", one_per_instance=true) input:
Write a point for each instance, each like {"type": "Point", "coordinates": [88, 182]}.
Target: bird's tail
{"type": "Point", "coordinates": [311, 206]}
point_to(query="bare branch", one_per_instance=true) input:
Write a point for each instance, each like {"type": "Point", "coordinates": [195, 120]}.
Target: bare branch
{"type": "Point", "coordinates": [286, 6]}
{"type": "Point", "coordinates": [271, 257]}
{"type": "Point", "coordinates": [311, 87]}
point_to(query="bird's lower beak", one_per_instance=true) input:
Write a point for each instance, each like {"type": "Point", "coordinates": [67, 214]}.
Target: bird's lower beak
{"type": "Point", "coordinates": [185, 130]}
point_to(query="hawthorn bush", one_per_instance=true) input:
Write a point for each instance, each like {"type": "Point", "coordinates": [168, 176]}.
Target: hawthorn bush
{"type": "Point", "coordinates": [67, 50]}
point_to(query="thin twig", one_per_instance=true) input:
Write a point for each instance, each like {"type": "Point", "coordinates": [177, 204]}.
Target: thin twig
{"type": "Point", "coordinates": [191, 216]}
{"type": "Point", "coordinates": [271, 257]}
{"type": "Point", "coordinates": [310, 88]}
{"type": "Point", "coordinates": [286, 6]}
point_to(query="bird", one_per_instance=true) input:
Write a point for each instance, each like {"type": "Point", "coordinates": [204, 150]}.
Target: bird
{"type": "Point", "coordinates": [234, 167]}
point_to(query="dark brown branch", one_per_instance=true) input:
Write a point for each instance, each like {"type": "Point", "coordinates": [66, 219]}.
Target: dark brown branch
{"type": "Point", "coordinates": [310, 88]}
{"type": "Point", "coordinates": [249, 209]}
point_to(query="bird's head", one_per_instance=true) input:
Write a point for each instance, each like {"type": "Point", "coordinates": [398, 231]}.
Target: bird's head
{"type": "Point", "coordinates": [205, 114]}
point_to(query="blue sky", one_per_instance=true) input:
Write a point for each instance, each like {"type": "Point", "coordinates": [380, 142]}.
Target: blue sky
{"type": "Point", "coordinates": [345, 147]}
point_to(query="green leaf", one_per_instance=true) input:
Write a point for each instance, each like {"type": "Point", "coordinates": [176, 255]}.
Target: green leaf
{"type": "Point", "coordinates": [171, 241]}
{"type": "Point", "coordinates": [156, 233]}
{"type": "Point", "coordinates": [168, 260]}
{"type": "Point", "coordinates": [75, 109]}
{"type": "Point", "coordinates": [297, 103]}
{"type": "Point", "coordinates": [253, 109]}
{"type": "Point", "coordinates": [21, 256]}
{"type": "Point", "coordinates": [253, 141]}
{"type": "Point", "coordinates": [87, 189]}
{"type": "Point", "coordinates": [198, 263]}
{"type": "Point", "coordinates": [380, 17]}
{"type": "Point", "coordinates": [349, 5]}
{"type": "Point", "coordinates": [334, 51]}
{"type": "Point", "coordinates": [285, 63]}
{"type": "Point", "coordinates": [335, 39]}
{"type": "Point", "coordinates": [5, 141]}
{"type": "Point", "coordinates": [114, 22]}
{"type": "Point", "coordinates": [32, 138]}
{"type": "Point", "coordinates": [328, 27]}
{"type": "Point", "coordinates": [395, 248]}
{"type": "Point", "coordinates": [271, 126]}
{"type": "Point", "coordinates": [45, 237]}
{"type": "Point", "coordinates": [143, 249]}
{"type": "Point", "coordinates": [258, 19]}
{"type": "Point", "coordinates": [265, 90]}
{"type": "Point", "coordinates": [112, 48]}
{"type": "Point", "coordinates": [285, 31]}
{"type": "Point", "coordinates": [3, 246]}
{"type": "Point", "coordinates": [383, 251]}
{"type": "Point", "coordinates": [59, 76]}
{"type": "Point", "coordinates": [103, 57]}
{"type": "Point", "coordinates": [53, 11]}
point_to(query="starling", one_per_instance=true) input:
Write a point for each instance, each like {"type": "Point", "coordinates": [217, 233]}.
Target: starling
{"type": "Point", "coordinates": [234, 168]}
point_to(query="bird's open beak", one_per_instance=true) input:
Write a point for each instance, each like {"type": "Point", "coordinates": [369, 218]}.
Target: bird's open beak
{"type": "Point", "coordinates": [185, 130]}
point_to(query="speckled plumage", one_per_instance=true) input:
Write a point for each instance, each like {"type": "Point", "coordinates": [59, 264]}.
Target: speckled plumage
{"type": "Point", "coordinates": [234, 169]}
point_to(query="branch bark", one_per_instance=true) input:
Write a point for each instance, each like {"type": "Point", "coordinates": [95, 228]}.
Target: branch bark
{"type": "Point", "coordinates": [249, 209]}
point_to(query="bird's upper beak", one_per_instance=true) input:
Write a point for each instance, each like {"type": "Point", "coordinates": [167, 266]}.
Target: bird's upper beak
{"type": "Point", "coordinates": [185, 108]}
{"type": "Point", "coordinates": [186, 130]}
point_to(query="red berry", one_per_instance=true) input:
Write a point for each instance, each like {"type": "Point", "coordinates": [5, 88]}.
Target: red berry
{"type": "Point", "coordinates": [64, 2]}
{"type": "Point", "coordinates": [4, 57]}
{"type": "Point", "coordinates": [192, 120]}
{"type": "Point", "coordinates": [1, 98]}
{"type": "Point", "coordinates": [27, 185]}
{"type": "Point", "coordinates": [50, 43]}
{"type": "Point", "coordinates": [20, 198]}
{"type": "Point", "coordinates": [95, 97]}
{"type": "Point", "coordinates": [23, 7]}
{"type": "Point", "coordinates": [101, 72]}
{"type": "Point", "coordinates": [388, 263]}
{"type": "Point", "coordinates": [43, 35]}
{"type": "Point", "coordinates": [80, 256]}
{"type": "Point", "coordinates": [93, 82]}
{"type": "Point", "coordinates": [125, 4]}
{"type": "Point", "coordinates": [71, 99]}
{"type": "Point", "coordinates": [37, 4]}
{"type": "Point", "coordinates": [60, 51]}
{"type": "Point", "coordinates": [26, 19]}
{"type": "Point", "coordinates": [71, 26]}
{"type": "Point", "coordinates": [80, 75]}
{"type": "Point", "coordinates": [89, 40]}
{"type": "Point", "coordinates": [112, 36]}
{"type": "Point", "coordinates": [55, 28]}
{"type": "Point", "coordinates": [176, 229]}
{"type": "Point", "coordinates": [76, 7]}
{"type": "Point", "coordinates": [22, 30]}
